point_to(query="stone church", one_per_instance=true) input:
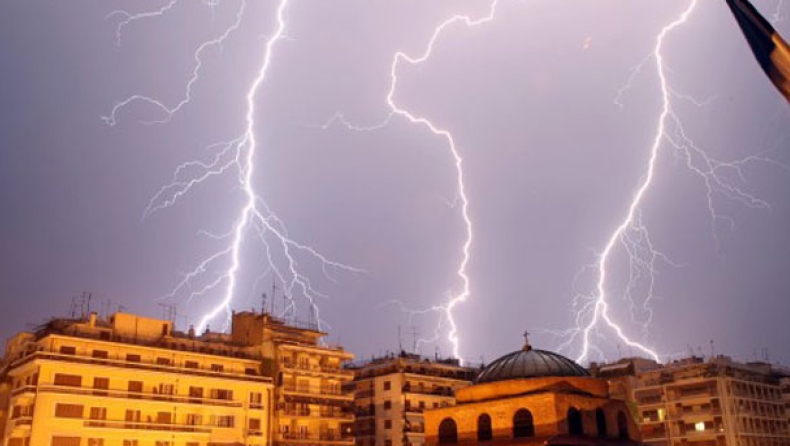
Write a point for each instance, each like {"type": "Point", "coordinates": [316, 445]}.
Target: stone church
{"type": "Point", "coordinates": [533, 397]}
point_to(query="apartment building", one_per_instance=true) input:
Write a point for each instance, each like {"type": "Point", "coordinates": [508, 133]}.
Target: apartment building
{"type": "Point", "coordinates": [131, 381]}
{"type": "Point", "coordinates": [392, 392]}
{"type": "Point", "coordinates": [718, 402]}
{"type": "Point", "coordinates": [313, 405]}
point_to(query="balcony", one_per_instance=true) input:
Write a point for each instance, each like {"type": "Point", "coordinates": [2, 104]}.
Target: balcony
{"type": "Point", "coordinates": [318, 391]}
{"type": "Point", "coordinates": [317, 369]}
{"type": "Point", "coordinates": [23, 421]}
{"type": "Point", "coordinates": [298, 438]}
{"type": "Point", "coordinates": [138, 395]}
{"type": "Point", "coordinates": [135, 425]}
{"type": "Point", "coordinates": [436, 391]}
{"type": "Point", "coordinates": [337, 415]}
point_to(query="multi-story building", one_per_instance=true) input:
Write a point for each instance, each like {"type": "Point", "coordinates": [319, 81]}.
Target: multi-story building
{"type": "Point", "coordinates": [718, 402]}
{"type": "Point", "coordinates": [392, 392]}
{"type": "Point", "coordinates": [313, 403]}
{"type": "Point", "coordinates": [132, 381]}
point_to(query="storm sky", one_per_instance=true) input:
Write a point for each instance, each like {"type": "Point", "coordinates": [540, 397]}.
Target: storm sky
{"type": "Point", "coordinates": [554, 148]}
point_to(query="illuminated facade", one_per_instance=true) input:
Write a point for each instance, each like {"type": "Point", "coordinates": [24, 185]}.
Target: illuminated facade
{"type": "Point", "coordinates": [311, 397]}
{"type": "Point", "coordinates": [719, 402]}
{"type": "Point", "coordinates": [392, 392]}
{"type": "Point", "coordinates": [533, 397]}
{"type": "Point", "coordinates": [132, 381]}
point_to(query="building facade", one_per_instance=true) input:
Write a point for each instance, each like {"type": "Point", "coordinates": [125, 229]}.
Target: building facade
{"type": "Point", "coordinates": [718, 402]}
{"type": "Point", "coordinates": [132, 381]}
{"type": "Point", "coordinates": [392, 392]}
{"type": "Point", "coordinates": [313, 404]}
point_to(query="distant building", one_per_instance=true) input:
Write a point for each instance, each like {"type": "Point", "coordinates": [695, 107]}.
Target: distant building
{"type": "Point", "coordinates": [134, 381]}
{"type": "Point", "coordinates": [533, 397]}
{"type": "Point", "coordinates": [392, 392]}
{"type": "Point", "coordinates": [693, 402]}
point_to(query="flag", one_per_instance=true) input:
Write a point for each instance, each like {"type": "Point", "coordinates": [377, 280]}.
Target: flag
{"type": "Point", "coordinates": [771, 51]}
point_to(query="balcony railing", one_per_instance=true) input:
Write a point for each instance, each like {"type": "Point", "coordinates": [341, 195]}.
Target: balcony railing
{"type": "Point", "coordinates": [138, 395]}
{"type": "Point", "coordinates": [321, 391]}
{"type": "Point", "coordinates": [318, 414]}
{"type": "Point", "coordinates": [297, 437]}
{"type": "Point", "coordinates": [315, 368]}
{"type": "Point", "coordinates": [438, 391]}
{"type": "Point", "coordinates": [147, 426]}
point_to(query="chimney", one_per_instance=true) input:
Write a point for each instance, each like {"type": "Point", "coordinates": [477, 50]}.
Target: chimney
{"type": "Point", "coordinates": [92, 319]}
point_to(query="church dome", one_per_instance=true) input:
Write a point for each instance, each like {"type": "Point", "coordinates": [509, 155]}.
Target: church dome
{"type": "Point", "coordinates": [530, 363]}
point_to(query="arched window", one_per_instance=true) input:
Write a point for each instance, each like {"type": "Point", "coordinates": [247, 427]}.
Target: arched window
{"type": "Point", "coordinates": [523, 425]}
{"type": "Point", "coordinates": [575, 426]}
{"type": "Point", "coordinates": [448, 432]}
{"type": "Point", "coordinates": [622, 425]}
{"type": "Point", "coordinates": [600, 422]}
{"type": "Point", "coordinates": [484, 432]}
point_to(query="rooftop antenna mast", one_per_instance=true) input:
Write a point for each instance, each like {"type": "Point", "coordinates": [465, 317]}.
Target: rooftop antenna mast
{"type": "Point", "coordinates": [415, 332]}
{"type": "Point", "coordinates": [169, 312]}
{"type": "Point", "coordinates": [400, 340]}
{"type": "Point", "coordinates": [274, 290]}
{"type": "Point", "coordinates": [263, 303]}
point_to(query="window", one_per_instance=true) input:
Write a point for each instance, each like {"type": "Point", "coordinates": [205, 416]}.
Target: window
{"type": "Point", "coordinates": [98, 413]}
{"type": "Point", "coordinates": [191, 364]}
{"type": "Point", "coordinates": [95, 441]}
{"type": "Point", "coordinates": [224, 421]}
{"type": "Point", "coordinates": [132, 357]}
{"type": "Point", "coordinates": [66, 441]}
{"type": "Point", "coordinates": [164, 417]}
{"type": "Point", "coordinates": [135, 387]}
{"type": "Point", "coordinates": [162, 443]}
{"type": "Point", "coordinates": [217, 367]}
{"type": "Point", "coordinates": [131, 443]}
{"type": "Point", "coordinates": [221, 394]}
{"type": "Point", "coordinates": [600, 422]}
{"type": "Point", "coordinates": [387, 385]}
{"type": "Point", "coordinates": [62, 379]}
{"type": "Point", "coordinates": [387, 405]}
{"type": "Point", "coordinates": [101, 354]}
{"type": "Point", "coordinates": [166, 389]}
{"type": "Point", "coordinates": [133, 416]}
{"type": "Point", "coordinates": [622, 425]}
{"type": "Point", "coordinates": [387, 442]}
{"type": "Point", "coordinates": [575, 426]}
{"type": "Point", "coordinates": [448, 432]}
{"type": "Point", "coordinates": [101, 385]}
{"type": "Point", "coordinates": [484, 432]}
{"type": "Point", "coordinates": [256, 400]}
{"type": "Point", "coordinates": [68, 410]}
{"type": "Point", "coordinates": [163, 361]}
{"type": "Point", "coordinates": [250, 371]}
{"type": "Point", "coordinates": [68, 350]}
{"type": "Point", "coordinates": [422, 405]}
{"type": "Point", "coordinates": [194, 419]}
{"type": "Point", "coordinates": [523, 424]}
{"type": "Point", "coordinates": [255, 424]}
{"type": "Point", "coordinates": [387, 424]}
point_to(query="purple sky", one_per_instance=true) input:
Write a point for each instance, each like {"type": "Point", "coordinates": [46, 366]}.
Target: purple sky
{"type": "Point", "coordinates": [551, 163]}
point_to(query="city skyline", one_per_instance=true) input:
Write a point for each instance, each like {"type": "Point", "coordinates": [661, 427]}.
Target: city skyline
{"type": "Point", "coordinates": [553, 108]}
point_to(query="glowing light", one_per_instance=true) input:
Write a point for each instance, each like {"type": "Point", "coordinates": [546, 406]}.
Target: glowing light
{"type": "Point", "coordinates": [631, 233]}
{"type": "Point", "coordinates": [237, 155]}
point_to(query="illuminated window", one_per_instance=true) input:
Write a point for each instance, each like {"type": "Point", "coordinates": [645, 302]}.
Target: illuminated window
{"type": "Point", "coordinates": [662, 415]}
{"type": "Point", "coordinates": [699, 427]}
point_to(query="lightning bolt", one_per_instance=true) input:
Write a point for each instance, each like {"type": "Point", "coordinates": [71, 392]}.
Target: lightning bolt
{"type": "Point", "coordinates": [446, 308]}
{"type": "Point", "coordinates": [631, 234]}
{"type": "Point", "coordinates": [237, 155]}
